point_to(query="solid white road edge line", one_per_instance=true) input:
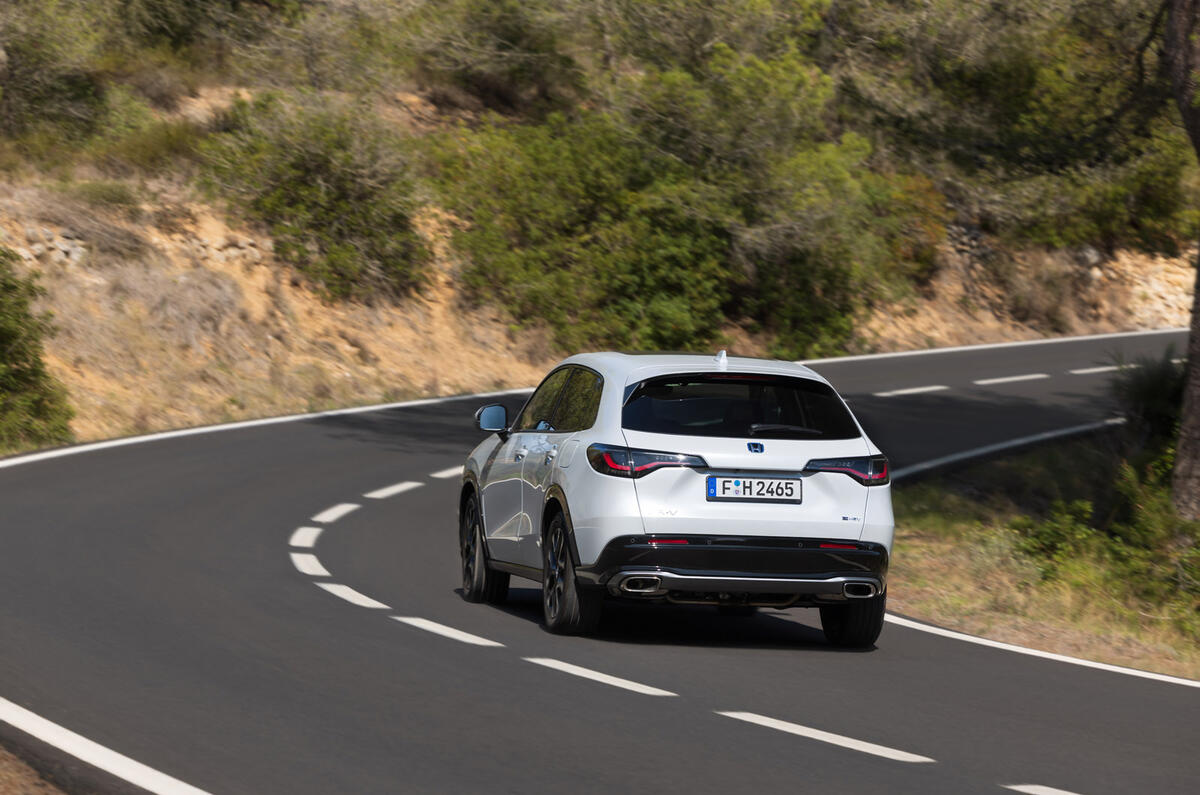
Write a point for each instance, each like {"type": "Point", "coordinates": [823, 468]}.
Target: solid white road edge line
{"type": "Point", "coordinates": [999, 447]}
{"type": "Point", "coordinates": [1036, 789]}
{"type": "Point", "coordinates": [93, 753]}
{"type": "Point", "coordinates": [826, 737]}
{"type": "Point", "coordinates": [443, 474]}
{"type": "Point", "coordinates": [991, 345]}
{"type": "Point", "coordinates": [1046, 655]}
{"type": "Point", "coordinates": [305, 537]}
{"type": "Point", "coordinates": [392, 491]}
{"type": "Point", "coordinates": [307, 563]}
{"type": "Point", "coordinates": [1009, 379]}
{"type": "Point", "coordinates": [352, 596]}
{"type": "Point", "coordinates": [915, 390]}
{"type": "Point", "coordinates": [596, 676]}
{"type": "Point", "coordinates": [445, 631]}
{"type": "Point", "coordinates": [336, 512]}
{"type": "Point", "coordinates": [29, 458]}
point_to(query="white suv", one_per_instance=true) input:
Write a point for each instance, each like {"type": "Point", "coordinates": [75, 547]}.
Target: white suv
{"type": "Point", "coordinates": [739, 483]}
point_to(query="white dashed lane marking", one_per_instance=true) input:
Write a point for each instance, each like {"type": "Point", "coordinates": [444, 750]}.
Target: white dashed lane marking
{"type": "Point", "coordinates": [443, 474]}
{"type": "Point", "coordinates": [445, 631]}
{"type": "Point", "coordinates": [1111, 368]}
{"type": "Point", "coordinates": [915, 390]}
{"type": "Point", "coordinates": [336, 512]}
{"type": "Point", "coordinates": [1009, 379]}
{"type": "Point", "coordinates": [596, 676]}
{"type": "Point", "coordinates": [1037, 789]}
{"type": "Point", "coordinates": [305, 537]}
{"type": "Point", "coordinates": [307, 563]}
{"type": "Point", "coordinates": [352, 596]}
{"type": "Point", "coordinates": [392, 491]}
{"type": "Point", "coordinates": [826, 737]}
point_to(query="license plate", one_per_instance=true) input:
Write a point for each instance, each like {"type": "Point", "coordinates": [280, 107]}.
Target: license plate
{"type": "Point", "coordinates": [752, 489]}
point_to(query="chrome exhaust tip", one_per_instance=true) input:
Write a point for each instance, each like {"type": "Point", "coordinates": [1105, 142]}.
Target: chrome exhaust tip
{"type": "Point", "coordinates": [641, 585]}
{"type": "Point", "coordinates": [859, 590]}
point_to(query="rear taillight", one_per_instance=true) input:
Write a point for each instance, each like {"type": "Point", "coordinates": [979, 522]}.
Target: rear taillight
{"type": "Point", "coordinates": [868, 470]}
{"type": "Point", "coordinates": [623, 462]}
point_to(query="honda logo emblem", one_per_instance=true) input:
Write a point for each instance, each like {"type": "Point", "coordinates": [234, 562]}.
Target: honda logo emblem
{"type": "Point", "coordinates": [755, 447]}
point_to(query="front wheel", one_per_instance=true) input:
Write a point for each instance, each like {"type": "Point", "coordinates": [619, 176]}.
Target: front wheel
{"type": "Point", "coordinates": [856, 624]}
{"type": "Point", "coordinates": [567, 609]}
{"type": "Point", "coordinates": [480, 583]}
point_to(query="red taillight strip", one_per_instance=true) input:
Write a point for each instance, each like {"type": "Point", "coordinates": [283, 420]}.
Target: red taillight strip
{"type": "Point", "coordinates": [668, 540]}
{"type": "Point", "coordinates": [838, 546]}
{"type": "Point", "coordinates": [608, 460]}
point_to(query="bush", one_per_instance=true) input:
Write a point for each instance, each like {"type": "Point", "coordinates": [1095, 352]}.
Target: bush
{"type": "Point", "coordinates": [1149, 393]}
{"type": "Point", "coordinates": [508, 54]}
{"type": "Point", "coordinates": [52, 77]}
{"type": "Point", "coordinates": [332, 185]}
{"type": "Point", "coordinates": [33, 406]}
{"type": "Point", "coordinates": [576, 224]}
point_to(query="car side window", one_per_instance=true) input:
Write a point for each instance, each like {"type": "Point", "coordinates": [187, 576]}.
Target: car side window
{"type": "Point", "coordinates": [538, 411]}
{"type": "Point", "coordinates": [580, 401]}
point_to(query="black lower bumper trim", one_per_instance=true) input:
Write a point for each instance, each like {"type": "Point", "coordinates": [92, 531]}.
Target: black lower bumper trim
{"type": "Point", "coordinates": [759, 569]}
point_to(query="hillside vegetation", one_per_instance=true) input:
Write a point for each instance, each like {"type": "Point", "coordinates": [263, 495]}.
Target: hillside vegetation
{"type": "Point", "coordinates": [1075, 547]}
{"type": "Point", "coordinates": [616, 173]}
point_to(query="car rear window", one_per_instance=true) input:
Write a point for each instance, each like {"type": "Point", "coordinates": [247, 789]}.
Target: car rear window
{"type": "Point", "coordinates": [738, 406]}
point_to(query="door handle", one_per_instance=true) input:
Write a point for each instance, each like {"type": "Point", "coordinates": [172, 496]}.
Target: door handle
{"type": "Point", "coordinates": [519, 454]}
{"type": "Point", "coordinates": [551, 453]}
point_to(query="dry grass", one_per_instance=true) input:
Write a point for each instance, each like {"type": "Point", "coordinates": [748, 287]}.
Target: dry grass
{"type": "Point", "coordinates": [18, 778]}
{"type": "Point", "coordinates": [1043, 293]}
{"type": "Point", "coordinates": [191, 322]}
{"type": "Point", "coordinates": [957, 565]}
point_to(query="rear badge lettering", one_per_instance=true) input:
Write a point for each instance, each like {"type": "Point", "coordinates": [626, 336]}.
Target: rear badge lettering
{"type": "Point", "coordinates": [755, 447]}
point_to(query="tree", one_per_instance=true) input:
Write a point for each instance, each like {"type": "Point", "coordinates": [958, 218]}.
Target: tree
{"type": "Point", "coordinates": [33, 406]}
{"type": "Point", "coordinates": [1181, 49]}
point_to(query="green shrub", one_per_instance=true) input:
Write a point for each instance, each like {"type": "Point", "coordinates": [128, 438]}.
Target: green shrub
{"type": "Point", "coordinates": [332, 184]}
{"type": "Point", "coordinates": [51, 79]}
{"type": "Point", "coordinates": [1065, 532]}
{"type": "Point", "coordinates": [1149, 393]}
{"type": "Point", "coordinates": [106, 194]}
{"type": "Point", "coordinates": [508, 54]}
{"type": "Point", "coordinates": [33, 406]}
{"type": "Point", "coordinates": [576, 224]}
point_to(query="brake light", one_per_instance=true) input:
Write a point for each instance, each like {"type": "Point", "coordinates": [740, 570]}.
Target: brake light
{"type": "Point", "coordinates": [667, 540]}
{"type": "Point", "coordinates": [624, 462]}
{"type": "Point", "coordinates": [838, 546]}
{"type": "Point", "coordinates": [868, 470]}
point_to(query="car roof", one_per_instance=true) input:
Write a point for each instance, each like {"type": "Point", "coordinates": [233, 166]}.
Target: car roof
{"type": "Point", "coordinates": [628, 368]}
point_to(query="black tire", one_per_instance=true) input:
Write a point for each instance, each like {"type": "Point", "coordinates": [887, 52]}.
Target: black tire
{"type": "Point", "coordinates": [856, 624]}
{"type": "Point", "coordinates": [481, 583]}
{"type": "Point", "coordinates": [737, 611]}
{"type": "Point", "coordinates": [567, 608]}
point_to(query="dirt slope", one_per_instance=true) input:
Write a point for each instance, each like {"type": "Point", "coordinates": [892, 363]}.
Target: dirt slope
{"type": "Point", "coordinates": [170, 316]}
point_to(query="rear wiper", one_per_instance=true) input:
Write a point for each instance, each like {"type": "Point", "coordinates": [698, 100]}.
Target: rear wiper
{"type": "Point", "coordinates": [772, 427]}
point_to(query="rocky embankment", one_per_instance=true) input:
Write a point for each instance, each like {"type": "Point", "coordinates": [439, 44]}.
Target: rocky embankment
{"type": "Point", "coordinates": [169, 316]}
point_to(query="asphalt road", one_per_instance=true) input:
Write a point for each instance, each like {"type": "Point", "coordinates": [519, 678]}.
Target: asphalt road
{"type": "Point", "coordinates": [149, 601]}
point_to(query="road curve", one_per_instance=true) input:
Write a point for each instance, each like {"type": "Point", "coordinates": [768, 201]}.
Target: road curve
{"type": "Point", "coordinates": [212, 606]}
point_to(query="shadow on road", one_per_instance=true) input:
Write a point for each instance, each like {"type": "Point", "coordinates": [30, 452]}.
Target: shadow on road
{"type": "Point", "coordinates": [686, 625]}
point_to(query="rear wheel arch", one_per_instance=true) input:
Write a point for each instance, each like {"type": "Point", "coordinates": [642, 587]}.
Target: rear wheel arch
{"type": "Point", "coordinates": [556, 503]}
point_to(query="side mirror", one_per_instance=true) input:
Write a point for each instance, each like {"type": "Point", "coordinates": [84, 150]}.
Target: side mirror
{"type": "Point", "coordinates": [492, 418]}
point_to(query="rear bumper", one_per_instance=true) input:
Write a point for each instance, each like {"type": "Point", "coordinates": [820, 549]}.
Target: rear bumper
{"type": "Point", "coordinates": [761, 570]}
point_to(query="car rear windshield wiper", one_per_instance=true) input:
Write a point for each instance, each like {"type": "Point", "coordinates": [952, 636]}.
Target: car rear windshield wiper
{"type": "Point", "coordinates": [772, 427]}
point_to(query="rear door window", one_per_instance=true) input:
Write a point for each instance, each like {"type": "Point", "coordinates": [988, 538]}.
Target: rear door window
{"type": "Point", "coordinates": [580, 400]}
{"type": "Point", "coordinates": [738, 406]}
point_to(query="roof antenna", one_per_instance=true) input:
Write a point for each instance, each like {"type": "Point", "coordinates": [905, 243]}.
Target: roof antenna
{"type": "Point", "coordinates": [721, 359]}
